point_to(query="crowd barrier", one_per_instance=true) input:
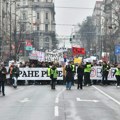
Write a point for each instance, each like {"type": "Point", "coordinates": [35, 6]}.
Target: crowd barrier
{"type": "Point", "coordinates": [41, 74]}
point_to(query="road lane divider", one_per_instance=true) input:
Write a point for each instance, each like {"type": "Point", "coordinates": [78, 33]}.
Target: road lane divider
{"type": "Point", "coordinates": [56, 111]}
{"type": "Point", "coordinates": [57, 100]}
{"type": "Point", "coordinates": [25, 100]}
{"type": "Point", "coordinates": [58, 95]}
{"type": "Point", "coordinates": [110, 97]}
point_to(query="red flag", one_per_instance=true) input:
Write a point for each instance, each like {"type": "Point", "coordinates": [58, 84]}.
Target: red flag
{"type": "Point", "coordinates": [78, 51]}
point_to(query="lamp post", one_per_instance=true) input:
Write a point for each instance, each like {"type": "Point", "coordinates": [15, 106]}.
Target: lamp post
{"type": "Point", "coordinates": [11, 2]}
{"type": "Point", "coordinates": [10, 29]}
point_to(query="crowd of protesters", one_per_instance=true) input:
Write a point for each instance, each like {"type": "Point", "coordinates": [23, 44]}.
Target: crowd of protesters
{"type": "Point", "coordinates": [38, 64]}
{"type": "Point", "coordinates": [82, 70]}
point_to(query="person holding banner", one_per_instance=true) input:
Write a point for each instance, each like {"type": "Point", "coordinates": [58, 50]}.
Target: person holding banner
{"type": "Point", "coordinates": [15, 75]}
{"type": "Point", "coordinates": [69, 76]}
{"type": "Point", "coordinates": [73, 71]}
{"type": "Point", "coordinates": [80, 73]}
{"type": "Point", "coordinates": [105, 72]}
{"type": "Point", "coordinates": [117, 75]}
{"type": "Point", "coordinates": [3, 72]}
{"type": "Point", "coordinates": [87, 71]}
{"type": "Point", "coordinates": [53, 76]}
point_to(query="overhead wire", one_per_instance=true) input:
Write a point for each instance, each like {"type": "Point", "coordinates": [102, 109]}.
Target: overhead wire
{"type": "Point", "coordinates": [73, 7]}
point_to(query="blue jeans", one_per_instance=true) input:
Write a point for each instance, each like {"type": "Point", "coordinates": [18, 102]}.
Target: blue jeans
{"type": "Point", "coordinates": [68, 85]}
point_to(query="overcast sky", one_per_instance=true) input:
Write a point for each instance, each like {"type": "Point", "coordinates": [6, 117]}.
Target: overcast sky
{"type": "Point", "coordinates": [71, 16]}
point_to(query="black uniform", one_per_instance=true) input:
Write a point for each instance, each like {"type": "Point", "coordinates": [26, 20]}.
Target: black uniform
{"type": "Point", "coordinates": [80, 73]}
{"type": "Point", "coordinates": [69, 76]}
{"type": "Point", "coordinates": [105, 72]}
{"type": "Point", "coordinates": [3, 72]}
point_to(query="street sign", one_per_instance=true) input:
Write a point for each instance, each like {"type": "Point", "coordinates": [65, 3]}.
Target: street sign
{"type": "Point", "coordinates": [29, 48]}
{"type": "Point", "coordinates": [117, 49]}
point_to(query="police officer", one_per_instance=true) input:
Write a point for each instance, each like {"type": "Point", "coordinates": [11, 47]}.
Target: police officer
{"type": "Point", "coordinates": [48, 71]}
{"type": "Point", "coordinates": [73, 71]}
{"type": "Point", "coordinates": [80, 73]}
{"type": "Point", "coordinates": [87, 71]}
{"type": "Point", "coordinates": [117, 75]}
{"type": "Point", "coordinates": [53, 76]}
{"type": "Point", "coordinates": [3, 73]}
{"type": "Point", "coordinates": [105, 71]}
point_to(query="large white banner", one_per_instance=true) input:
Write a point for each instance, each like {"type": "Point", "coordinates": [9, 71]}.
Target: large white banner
{"type": "Point", "coordinates": [37, 74]}
{"type": "Point", "coordinates": [97, 75]}
{"type": "Point", "coordinates": [53, 57]}
{"type": "Point", "coordinates": [41, 74]}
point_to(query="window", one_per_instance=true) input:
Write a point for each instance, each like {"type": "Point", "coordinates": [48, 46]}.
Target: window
{"type": "Point", "coordinates": [38, 28]}
{"type": "Point", "coordinates": [47, 39]}
{"type": "Point", "coordinates": [38, 16]}
{"type": "Point", "coordinates": [46, 27]}
{"type": "Point", "coordinates": [46, 15]}
{"type": "Point", "coordinates": [46, 45]}
{"type": "Point", "coordinates": [23, 27]}
{"type": "Point", "coordinates": [24, 2]}
{"type": "Point", "coordinates": [24, 16]}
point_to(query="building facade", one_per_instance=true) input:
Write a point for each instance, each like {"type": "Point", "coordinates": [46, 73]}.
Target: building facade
{"type": "Point", "coordinates": [97, 16]}
{"type": "Point", "coordinates": [36, 22]}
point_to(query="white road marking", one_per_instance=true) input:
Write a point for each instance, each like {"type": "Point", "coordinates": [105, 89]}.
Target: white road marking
{"type": "Point", "coordinates": [113, 99]}
{"type": "Point", "coordinates": [58, 95]}
{"type": "Point", "coordinates": [81, 100]}
{"type": "Point", "coordinates": [25, 100]}
{"type": "Point", "coordinates": [57, 100]}
{"type": "Point", "coordinates": [73, 113]}
{"type": "Point", "coordinates": [56, 111]}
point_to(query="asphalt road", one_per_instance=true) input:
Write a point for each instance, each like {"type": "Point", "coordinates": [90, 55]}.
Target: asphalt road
{"type": "Point", "coordinates": [42, 103]}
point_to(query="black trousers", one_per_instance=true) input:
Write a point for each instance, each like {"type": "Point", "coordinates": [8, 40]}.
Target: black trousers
{"type": "Point", "coordinates": [73, 79]}
{"type": "Point", "coordinates": [87, 78]}
{"type": "Point", "coordinates": [105, 78]}
{"type": "Point", "coordinates": [53, 83]}
{"type": "Point", "coordinates": [80, 82]}
{"type": "Point", "coordinates": [2, 86]}
{"type": "Point", "coordinates": [118, 80]}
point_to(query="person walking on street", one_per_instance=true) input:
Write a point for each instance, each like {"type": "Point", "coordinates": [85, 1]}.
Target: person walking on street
{"type": "Point", "coordinates": [73, 71]}
{"type": "Point", "coordinates": [80, 74]}
{"type": "Point", "coordinates": [105, 72]}
{"type": "Point", "coordinates": [53, 76]}
{"type": "Point", "coordinates": [15, 75]}
{"type": "Point", "coordinates": [87, 71]}
{"type": "Point", "coordinates": [69, 76]}
{"type": "Point", "coordinates": [3, 73]}
{"type": "Point", "coordinates": [117, 75]}
{"type": "Point", "coordinates": [10, 72]}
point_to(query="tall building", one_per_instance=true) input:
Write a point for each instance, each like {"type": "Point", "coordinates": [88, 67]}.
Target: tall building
{"type": "Point", "coordinates": [97, 16]}
{"type": "Point", "coordinates": [36, 22]}
{"type": "Point", "coordinates": [3, 29]}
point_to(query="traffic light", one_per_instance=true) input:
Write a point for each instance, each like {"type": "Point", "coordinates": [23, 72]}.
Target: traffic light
{"type": "Point", "coordinates": [70, 39]}
{"type": "Point", "coordinates": [73, 36]}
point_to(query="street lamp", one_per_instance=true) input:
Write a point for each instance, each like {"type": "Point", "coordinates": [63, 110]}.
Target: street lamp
{"type": "Point", "coordinates": [11, 2]}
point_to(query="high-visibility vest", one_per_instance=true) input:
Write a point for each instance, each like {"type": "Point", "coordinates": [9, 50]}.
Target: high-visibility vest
{"type": "Point", "coordinates": [49, 72]}
{"type": "Point", "coordinates": [73, 68]}
{"type": "Point", "coordinates": [88, 68]}
{"type": "Point", "coordinates": [55, 73]}
{"type": "Point", "coordinates": [117, 72]}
